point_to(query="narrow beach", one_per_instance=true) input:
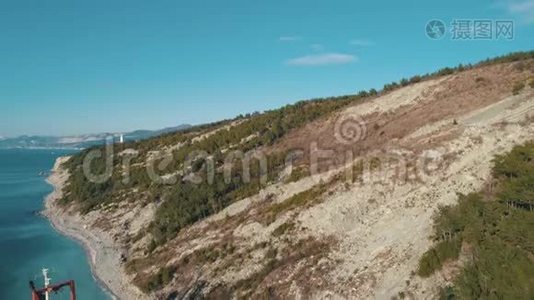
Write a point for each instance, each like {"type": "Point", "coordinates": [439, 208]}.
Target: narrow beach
{"type": "Point", "coordinates": [104, 256]}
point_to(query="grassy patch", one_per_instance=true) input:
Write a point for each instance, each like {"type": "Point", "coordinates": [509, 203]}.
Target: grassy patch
{"type": "Point", "coordinates": [214, 253]}
{"type": "Point", "coordinates": [156, 281]}
{"type": "Point", "coordinates": [282, 229]}
{"type": "Point", "coordinates": [298, 173]}
{"type": "Point", "coordinates": [301, 199]}
{"type": "Point", "coordinates": [276, 261]}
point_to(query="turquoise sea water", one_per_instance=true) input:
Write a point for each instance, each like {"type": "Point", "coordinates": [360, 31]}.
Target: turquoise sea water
{"type": "Point", "coordinates": [27, 241]}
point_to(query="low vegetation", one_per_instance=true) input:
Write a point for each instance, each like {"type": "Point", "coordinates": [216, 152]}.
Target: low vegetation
{"type": "Point", "coordinates": [283, 229]}
{"type": "Point", "coordinates": [518, 87]}
{"type": "Point", "coordinates": [513, 57]}
{"type": "Point", "coordinates": [300, 200]}
{"type": "Point", "coordinates": [156, 281]}
{"type": "Point", "coordinates": [497, 226]}
{"type": "Point", "coordinates": [434, 259]}
{"type": "Point", "coordinates": [275, 269]}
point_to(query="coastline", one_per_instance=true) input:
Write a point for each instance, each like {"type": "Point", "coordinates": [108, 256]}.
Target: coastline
{"type": "Point", "coordinates": [103, 253]}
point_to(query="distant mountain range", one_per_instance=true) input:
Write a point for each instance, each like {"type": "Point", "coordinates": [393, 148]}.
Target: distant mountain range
{"type": "Point", "coordinates": [81, 141]}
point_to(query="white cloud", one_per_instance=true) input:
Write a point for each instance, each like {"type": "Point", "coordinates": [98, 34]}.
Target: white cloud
{"type": "Point", "coordinates": [317, 47]}
{"type": "Point", "coordinates": [322, 60]}
{"type": "Point", "coordinates": [289, 38]}
{"type": "Point", "coordinates": [525, 10]}
{"type": "Point", "coordinates": [522, 9]}
{"type": "Point", "coordinates": [359, 42]}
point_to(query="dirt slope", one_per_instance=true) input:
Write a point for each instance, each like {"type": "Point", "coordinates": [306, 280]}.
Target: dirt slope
{"type": "Point", "coordinates": [339, 234]}
{"type": "Point", "coordinates": [362, 238]}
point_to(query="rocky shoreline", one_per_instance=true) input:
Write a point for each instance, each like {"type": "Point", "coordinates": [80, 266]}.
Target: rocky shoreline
{"type": "Point", "coordinates": [103, 253]}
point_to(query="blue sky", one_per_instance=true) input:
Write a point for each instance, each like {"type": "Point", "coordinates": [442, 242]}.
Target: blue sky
{"type": "Point", "coordinates": [71, 67]}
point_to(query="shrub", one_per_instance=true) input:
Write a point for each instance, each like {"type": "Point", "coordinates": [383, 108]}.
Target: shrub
{"type": "Point", "coordinates": [447, 293]}
{"type": "Point", "coordinates": [156, 281]}
{"type": "Point", "coordinates": [445, 71]}
{"type": "Point", "coordinates": [415, 79]}
{"type": "Point", "coordinates": [298, 173]}
{"type": "Point", "coordinates": [282, 229]}
{"type": "Point", "coordinates": [301, 199]}
{"type": "Point", "coordinates": [518, 87]}
{"type": "Point", "coordinates": [363, 94]}
{"type": "Point", "coordinates": [390, 86]}
{"type": "Point", "coordinates": [434, 258]}
{"type": "Point", "coordinates": [152, 246]}
{"type": "Point", "coordinates": [519, 66]}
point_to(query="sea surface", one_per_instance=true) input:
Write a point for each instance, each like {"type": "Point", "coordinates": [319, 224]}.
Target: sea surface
{"type": "Point", "coordinates": [27, 240]}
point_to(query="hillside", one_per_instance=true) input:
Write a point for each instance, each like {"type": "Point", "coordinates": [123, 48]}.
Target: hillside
{"type": "Point", "coordinates": [324, 198]}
